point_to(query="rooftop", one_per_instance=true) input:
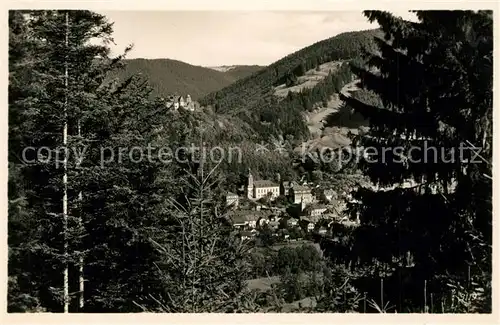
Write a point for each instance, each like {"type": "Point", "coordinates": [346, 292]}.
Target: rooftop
{"type": "Point", "coordinates": [265, 183]}
{"type": "Point", "coordinates": [300, 188]}
{"type": "Point", "coordinates": [173, 98]}
{"type": "Point", "coordinates": [315, 206]}
{"type": "Point", "coordinates": [241, 216]}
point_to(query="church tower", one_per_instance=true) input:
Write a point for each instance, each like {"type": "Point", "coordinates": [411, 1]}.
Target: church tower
{"type": "Point", "coordinates": [280, 183]}
{"type": "Point", "coordinates": [249, 189]}
{"type": "Point", "coordinates": [302, 204]}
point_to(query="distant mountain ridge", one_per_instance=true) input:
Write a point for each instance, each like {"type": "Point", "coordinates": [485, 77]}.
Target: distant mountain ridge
{"type": "Point", "coordinates": [167, 76]}
{"type": "Point", "coordinates": [223, 68]}
{"type": "Point", "coordinates": [238, 71]}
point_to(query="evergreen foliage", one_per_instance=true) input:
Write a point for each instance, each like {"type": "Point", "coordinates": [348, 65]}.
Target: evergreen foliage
{"type": "Point", "coordinates": [201, 264]}
{"type": "Point", "coordinates": [123, 196]}
{"type": "Point", "coordinates": [144, 235]}
{"type": "Point", "coordinates": [435, 81]}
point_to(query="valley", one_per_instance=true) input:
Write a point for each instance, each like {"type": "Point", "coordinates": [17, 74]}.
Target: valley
{"type": "Point", "coordinates": [291, 186]}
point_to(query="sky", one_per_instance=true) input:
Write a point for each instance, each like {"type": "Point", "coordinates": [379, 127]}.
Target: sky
{"type": "Point", "coordinates": [215, 38]}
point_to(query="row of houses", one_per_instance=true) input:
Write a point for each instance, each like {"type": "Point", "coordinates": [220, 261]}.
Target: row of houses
{"type": "Point", "coordinates": [246, 232]}
{"type": "Point", "coordinates": [260, 216]}
{"type": "Point", "coordinates": [313, 209]}
{"type": "Point", "coordinates": [256, 190]}
{"type": "Point", "coordinates": [245, 219]}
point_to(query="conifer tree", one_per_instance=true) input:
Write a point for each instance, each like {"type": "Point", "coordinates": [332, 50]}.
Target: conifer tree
{"type": "Point", "coordinates": [36, 110]}
{"type": "Point", "coordinates": [201, 264]}
{"type": "Point", "coordinates": [20, 224]}
{"type": "Point", "coordinates": [434, 77]}
{"type": "Point", "coordinates": [117, 198]}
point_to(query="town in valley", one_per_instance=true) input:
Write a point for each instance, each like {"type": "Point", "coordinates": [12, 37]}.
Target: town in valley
{"type": "Point", "coordinates": [346, 162]}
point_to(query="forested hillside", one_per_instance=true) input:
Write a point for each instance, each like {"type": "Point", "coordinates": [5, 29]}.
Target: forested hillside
{"type": "Point", "coordinates": [167, 76]}
{"type": "Point", "coordinates": [252, 99]}
{"type": "Point", "coordinates": [248, 91]}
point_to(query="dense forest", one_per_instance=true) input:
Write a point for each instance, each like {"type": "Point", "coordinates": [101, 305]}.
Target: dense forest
{"type": "Point", "coordinates": [273, 118]}
{"type": "Point", "coordinates": [437, 234]}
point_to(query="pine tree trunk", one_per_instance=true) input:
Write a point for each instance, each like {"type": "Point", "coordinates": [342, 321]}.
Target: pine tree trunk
{"type": "Point", "coordinates": [425, 296]}
{"type": "Point", "coordinates": [65, 182]}
{"type": "Point", "coordinates": [81, 279]}
{"type": "Point", "coordinates": [382, 293]}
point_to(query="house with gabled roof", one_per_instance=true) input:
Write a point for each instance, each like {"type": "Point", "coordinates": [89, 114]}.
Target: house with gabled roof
{"type": "Point", "coordinates": [247, 218]}
{"type": "Point", "coordinates": [182, 102]}
{"type": "Point", "coordinates": [300, 193]}
{"type": "Point", "coordinates": [315, 210]}
{"type": "Point", "coordinates": [264, 188]}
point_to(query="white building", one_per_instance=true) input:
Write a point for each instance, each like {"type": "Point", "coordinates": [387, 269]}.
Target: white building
{"type": "Point", "coordinates": [259, 189]}
{"type": "Point", "coordinates": [247, 219]}
{"type": "Point", "coordinates": [315, 210]}
{"type": "Point", "coordinates": [292, 222]}
{"type": "Point", "coordinates": [301, 193]}
{"type": "Point", "coordinates": [264, 188]}
{"type": "Point", "coordinates": [175, 102]}
{"type": "Point", "coordinates": [189, 103]}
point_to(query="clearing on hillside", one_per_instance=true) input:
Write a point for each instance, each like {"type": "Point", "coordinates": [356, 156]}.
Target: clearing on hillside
{"type": "Point", "coordinates": [309, 79]}
{"type": "Point", "coordinates": [323, 136]}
